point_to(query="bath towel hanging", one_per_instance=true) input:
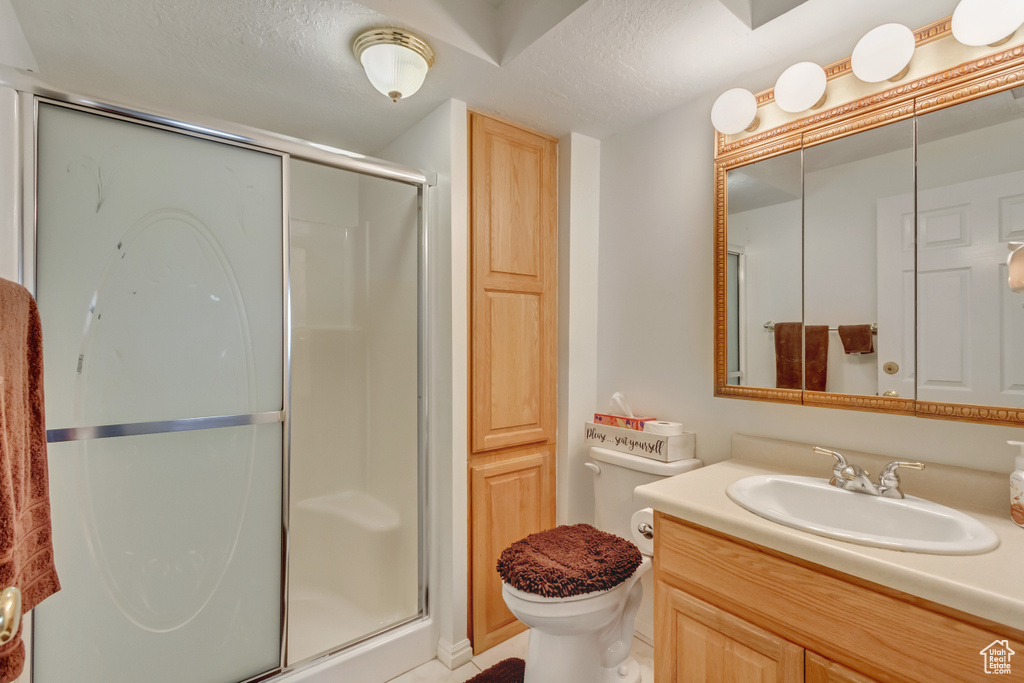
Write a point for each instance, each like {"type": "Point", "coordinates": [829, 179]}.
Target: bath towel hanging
{"type": "Point", "coordinates": [792, 371]}
{"type": "Point", "coordinates": [789, 367]}
{"type": "Point", "coordinates": [857, 338]}
{"type": "Point", "coordinates": [26, 548]}
{"type": "Point", "coordinates": [816, 354]}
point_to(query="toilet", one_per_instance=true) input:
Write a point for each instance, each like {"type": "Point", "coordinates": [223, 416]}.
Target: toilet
{"type": "Point", "coordinates": [587, 638]}
{"type": "Point", "coordinates": [616, 474]}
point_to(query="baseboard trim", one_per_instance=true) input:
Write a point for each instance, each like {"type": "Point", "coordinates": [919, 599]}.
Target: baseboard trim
{"type": "Point", "coordinates": [643, 638]}
{"type": "Point", "coordinates": [454, 655]}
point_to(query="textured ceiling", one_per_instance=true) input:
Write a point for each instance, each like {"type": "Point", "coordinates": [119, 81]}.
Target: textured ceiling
{"type": "Point", "coordinates": [286, 66]}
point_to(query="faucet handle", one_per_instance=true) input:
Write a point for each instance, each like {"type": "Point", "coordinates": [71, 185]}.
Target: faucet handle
{"type": "Point", "coordinates": [840, 460]}
{"type": "Point", "coordinates": [840, 468]}
{"type": "Point", "coordinates": [890, 469]}
{"type": "Point", "coordinates": [889, 479]}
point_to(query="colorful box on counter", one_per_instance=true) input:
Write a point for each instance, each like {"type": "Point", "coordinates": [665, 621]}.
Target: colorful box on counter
{"type": "Point", "coordinates": [635, 423]}
{"type": "Point", "coordinates": [644, 444]}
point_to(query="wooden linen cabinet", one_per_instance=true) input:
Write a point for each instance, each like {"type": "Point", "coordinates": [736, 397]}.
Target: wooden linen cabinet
{"type": "Point", "coordinates": [513, 355]}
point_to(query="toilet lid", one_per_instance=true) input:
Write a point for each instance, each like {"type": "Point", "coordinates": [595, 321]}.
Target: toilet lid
{"type": "Point", "coordinates": [567, 561]}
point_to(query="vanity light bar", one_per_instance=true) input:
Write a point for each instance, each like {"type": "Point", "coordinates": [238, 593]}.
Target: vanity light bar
{"type": "Point", "coordinates": [884, 53]}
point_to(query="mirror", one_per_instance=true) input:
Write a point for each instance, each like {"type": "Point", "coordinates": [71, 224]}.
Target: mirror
{"type": "Point", "coordinates": [857, 189]}
{"type": "Point", "coordinates": [764, 267]}
{"type": "Point", "coordinates": [861, 253]}
{"type": "Point", "coordinates": [970, 205]}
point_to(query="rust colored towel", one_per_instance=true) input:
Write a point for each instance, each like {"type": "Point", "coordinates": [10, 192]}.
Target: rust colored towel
{"type": "Point", "coordinates": [816, 352]}
{"type": "Point", "coordinates": [568, 560]}
{"type": "Point", "coordinates": [788, 366]}
{"type": "Point", "coordinates": [26, 549]}
{"type": "Point", "coordinates": [511, 670]}
{"type": "Point", "coordinates": [857, 338]}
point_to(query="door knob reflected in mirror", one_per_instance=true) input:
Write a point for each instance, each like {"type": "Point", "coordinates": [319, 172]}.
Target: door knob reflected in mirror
{"type": "Point", "coordinates": [10, 613]}
{"type": "Point", "coordinates": [891, 394]}
{"type": "Point", "coordinates": [891, 368]}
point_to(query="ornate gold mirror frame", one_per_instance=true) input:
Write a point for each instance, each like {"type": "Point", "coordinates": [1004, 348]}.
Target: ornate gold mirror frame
{"type": "Point", "coordinates": [1002, 68]}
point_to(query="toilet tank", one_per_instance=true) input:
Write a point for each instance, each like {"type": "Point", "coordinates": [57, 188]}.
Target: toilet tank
{"type": "Point", "coordinates": [616, 475]}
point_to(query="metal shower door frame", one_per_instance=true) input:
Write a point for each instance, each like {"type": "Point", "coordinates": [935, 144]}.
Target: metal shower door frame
{"type": "Point", "coordinates": [32, 92]}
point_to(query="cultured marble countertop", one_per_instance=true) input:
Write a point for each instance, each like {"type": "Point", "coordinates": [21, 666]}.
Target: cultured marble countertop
{"type": "Point", "coordinates": [990, 585]}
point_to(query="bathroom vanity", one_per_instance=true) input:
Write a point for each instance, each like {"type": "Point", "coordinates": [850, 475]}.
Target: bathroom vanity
{"type": "Point", "coordinates": [742, 598]}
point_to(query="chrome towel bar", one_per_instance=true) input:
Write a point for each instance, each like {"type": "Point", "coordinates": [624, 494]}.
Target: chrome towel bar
{"type": "Point", "coordinates": [770, 326]}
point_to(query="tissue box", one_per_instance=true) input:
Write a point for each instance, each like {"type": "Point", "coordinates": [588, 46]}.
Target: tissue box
{"type": "Point", "coordinates": [634, 423]}
{"type": "Point", "coordinates": [644, 444]}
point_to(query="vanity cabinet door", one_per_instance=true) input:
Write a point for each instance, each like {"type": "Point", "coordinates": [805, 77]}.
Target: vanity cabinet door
{"type": "Point", "coordinates": [696, 642]}
{"type": "Point", "coordinates": [820, 670]}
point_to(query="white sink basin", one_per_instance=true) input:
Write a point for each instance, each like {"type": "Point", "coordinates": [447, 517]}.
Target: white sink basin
{"type": "Point", "coordinates": [913, 524]}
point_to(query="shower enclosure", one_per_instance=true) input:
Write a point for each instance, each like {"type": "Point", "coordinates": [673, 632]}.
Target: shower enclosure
{"type": "Point", "coordinates": [233, 328]}
{"type": "Point", "coordinates": [354, 488]}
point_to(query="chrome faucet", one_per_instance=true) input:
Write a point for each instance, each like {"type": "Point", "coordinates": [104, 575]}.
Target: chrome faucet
{"type": "Point", "coordinates": [852, 478]}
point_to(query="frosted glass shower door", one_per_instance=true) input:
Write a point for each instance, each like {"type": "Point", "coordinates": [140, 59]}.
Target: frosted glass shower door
{"type": "Point", "coordinates": [160, 270]}
{"type": "Point", "coordinates": [355, 506]}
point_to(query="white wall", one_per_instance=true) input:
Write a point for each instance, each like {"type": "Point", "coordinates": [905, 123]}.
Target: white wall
{"type": "Point", "coordinates": [579, 183]}
{"type": "Point", "coordinates": [439, 143]}
{"type": "Point", "coordinates": [9, 214]}
{"type": "Point", "coordinates": [655, 312]}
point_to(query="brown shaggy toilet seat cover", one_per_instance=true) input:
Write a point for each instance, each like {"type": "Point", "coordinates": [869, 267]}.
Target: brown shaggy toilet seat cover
{"type": "Point", "coordinates": [567, 561]}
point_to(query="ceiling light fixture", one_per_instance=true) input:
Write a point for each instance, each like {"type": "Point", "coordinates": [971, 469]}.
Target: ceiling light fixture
{"type": "Point", "coordinates": [800, 87]}
{"type": "Point", "coordinates": [883, 54]}
{"type": "Point", "coordinates": [395, 60]}
{"type": "Point", "coordinates": [986, 22]}
{"type": "Point", "coordinates": [734, 111]}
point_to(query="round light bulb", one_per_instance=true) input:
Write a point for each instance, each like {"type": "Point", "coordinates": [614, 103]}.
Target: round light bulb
{"type": "Point", "coordinates": [734, 111]}
{"type": "Point", "coordinates": [986, 22]}
{"type": "Point", "coordinates": [396, 61]}
{"type": "Point", "coordinates": [393, 69]}
{"type": "Point", "coordinates": [883, 53]}
{"type": "Point", "coordinates": [800, 87]}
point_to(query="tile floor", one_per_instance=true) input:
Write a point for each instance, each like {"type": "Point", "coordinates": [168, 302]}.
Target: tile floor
{"type": "Point", "coordinates": [436, 672]}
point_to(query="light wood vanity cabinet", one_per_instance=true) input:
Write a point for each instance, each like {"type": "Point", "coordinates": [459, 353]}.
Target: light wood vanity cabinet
{"type": "Point", "coordinates": [817, 669]}
{"type": "Point", "coordinates": [728, 610]}
{"type": "Point", "coordinates": [513, 355]}
{"type": "Point", "coordinates": [704, 643]}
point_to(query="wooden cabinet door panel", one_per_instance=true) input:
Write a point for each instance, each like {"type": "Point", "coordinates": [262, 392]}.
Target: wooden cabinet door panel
{"type": "Point", "coordinates": [513, 375]}
{"type": "Point", "coordinates": [696, 642]}
{"type": "Point", "coordinates": [511, 497]}
{"type": "Point", "coordinates": [817, 669]}
{"type": "Point", "coordinates": [512, 351]}
{"type": "Point", "coordinates": [513, 194]}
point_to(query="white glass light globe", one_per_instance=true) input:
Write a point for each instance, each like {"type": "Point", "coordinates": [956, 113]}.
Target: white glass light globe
{"type": "Point", "coordinates": [734, 111]}
{"type": "Point", "coordinates": [394, 69]}
{"type": "Point", "coordinates": [882, 53]}
{"type": "Point", "coordinates": [800, 87]}
{"type": "Point", "coordinates": [984, 22]}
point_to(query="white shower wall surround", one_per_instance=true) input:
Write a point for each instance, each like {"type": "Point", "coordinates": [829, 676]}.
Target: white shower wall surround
{"type": "Point", "coordinates": [354, 497]}
{"type": "Point", "coordinates": [161, 272]}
